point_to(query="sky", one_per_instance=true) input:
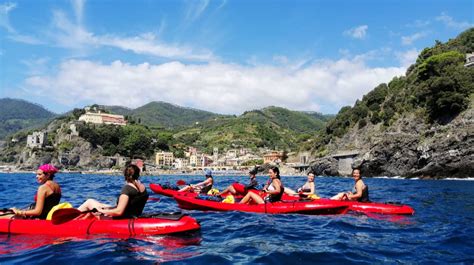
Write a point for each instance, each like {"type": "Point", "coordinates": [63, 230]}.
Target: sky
{"type": "Point", "coordinates": [223, 56]}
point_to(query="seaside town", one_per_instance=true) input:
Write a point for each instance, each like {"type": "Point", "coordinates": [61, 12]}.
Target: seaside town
{"type": "Point", "coordinates": [230, 161]}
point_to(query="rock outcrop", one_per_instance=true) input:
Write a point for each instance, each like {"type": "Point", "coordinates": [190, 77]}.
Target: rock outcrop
{"type": "Point", "coordinates": [409, 148]}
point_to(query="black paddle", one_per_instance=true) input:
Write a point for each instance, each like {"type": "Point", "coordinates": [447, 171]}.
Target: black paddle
{"type": "Point", "coordinates": [5, 211]}
{"type": "Point", "coordinates": [64, 215]}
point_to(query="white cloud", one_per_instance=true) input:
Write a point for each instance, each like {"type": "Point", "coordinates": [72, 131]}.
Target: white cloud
{"type": "Point", "coordinates": [408, 58]}
{"type": "Point", "coordinates": [5, 8]}
{"type": "Point", "coordinates": [74, 36]}
{"type": "Point", "coordinates": [148, 44]}
{"type": "Point", "coordinates": [357, 32]}
{"type": "Point", "coordinates": [222, 88]}
{"type": "Point", "coordinates": [408, 40]}
{"type": "Point", "coordinates": [450, 22]}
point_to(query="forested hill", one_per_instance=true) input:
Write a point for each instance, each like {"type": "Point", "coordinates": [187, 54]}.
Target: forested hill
{"type": "Point", "coordinates": [169, 116]}
{"type": "Point", "coordinates": [17, 114]}
{"type": "Point", "coordinates": [411, 114]}
{"type": "Point", "coordinates": [271, 127]}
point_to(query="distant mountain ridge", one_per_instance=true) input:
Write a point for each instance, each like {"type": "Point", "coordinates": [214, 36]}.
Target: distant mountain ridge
{"type": "Point", "coordinates": [272, 126]}
{"type": "Point", "coordinates": [18, 114]}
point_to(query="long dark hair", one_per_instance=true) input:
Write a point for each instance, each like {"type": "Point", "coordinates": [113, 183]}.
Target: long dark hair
{"type": "Point", "coordinates": [276, 171]}
{"type": "Point", "coordinates": [131, 173]}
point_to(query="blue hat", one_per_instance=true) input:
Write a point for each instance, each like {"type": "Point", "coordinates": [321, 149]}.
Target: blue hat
{"type": "Point", "coordinates": [208, 172]}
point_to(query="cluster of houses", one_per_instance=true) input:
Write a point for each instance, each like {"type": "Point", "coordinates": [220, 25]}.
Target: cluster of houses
{"type": "Point", "coordinates": [230, 159]}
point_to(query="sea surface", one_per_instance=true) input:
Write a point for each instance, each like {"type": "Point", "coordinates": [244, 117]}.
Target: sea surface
{"type": "Point", "coordinates": [440, 232]}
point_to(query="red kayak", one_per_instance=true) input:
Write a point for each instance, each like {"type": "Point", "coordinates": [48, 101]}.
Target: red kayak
{"type": "Point", "coordinates": [193, 202]}
{"type": "Point", "coordinates": [377, 207]}
{"type": "Point", "coordinates": [366, 207]}
{"type": "Point", "coordinates": [355, 206]}
{"type": "Point", "coordinates": [158, 189]}
{"type": "Point", "coordinates": [161, 224]}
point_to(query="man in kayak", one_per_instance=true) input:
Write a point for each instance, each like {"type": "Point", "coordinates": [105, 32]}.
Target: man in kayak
{"type": "Point", "coordinates": [47, 196]}
{"type": "Point", "coordinates": [131, 201]}
{"type": "Point", "coordinates": [239, 189]}
{"type": "Point", "coordinates": [274, 190]}
{"type": "Point", "coordinates": [201, 187]}
{"type": "Point", "coordinates": [305, 191]}
{"type": "Point", "coordinates": [361, 191]}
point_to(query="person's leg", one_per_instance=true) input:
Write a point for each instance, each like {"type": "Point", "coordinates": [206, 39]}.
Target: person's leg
{"type": "Point", "coordinates": [339, 196]}
{"type": "Point", "coordinates": [289, 191]}
{"type": "Point", "coordinates": [246, 198]}
{"type": "Point", "coordinates": [256, 198]}
{"type": "Point", "coordinates": [90, 204]}
{"type": "Point", "coordinates": [187, 188]}
{"type": "Point", "coordinates": [224, 191]}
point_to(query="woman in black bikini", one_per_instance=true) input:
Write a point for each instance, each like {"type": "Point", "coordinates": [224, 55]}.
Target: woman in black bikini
{"type": "Point", "coordinates": [306, 190]}
{"type": "Point", "coordinates": [361, 193]}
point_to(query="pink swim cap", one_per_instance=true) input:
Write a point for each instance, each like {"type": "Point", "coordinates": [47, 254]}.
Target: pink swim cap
{"type": "Point", "coordinates": [48, 168]}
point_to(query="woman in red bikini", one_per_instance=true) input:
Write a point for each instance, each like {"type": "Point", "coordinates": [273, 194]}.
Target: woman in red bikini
{"type": "Point", "coordinates": [47, 196]}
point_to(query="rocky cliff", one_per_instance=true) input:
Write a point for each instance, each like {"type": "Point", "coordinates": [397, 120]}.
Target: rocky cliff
{"type": "Point", "coordinates": [417, 125]}
{"type": "Point", "coordinates": [408, 148]}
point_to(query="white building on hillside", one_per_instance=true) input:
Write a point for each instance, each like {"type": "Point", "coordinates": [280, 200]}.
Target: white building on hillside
{"type": "Point", "coordinates": [103, 118]}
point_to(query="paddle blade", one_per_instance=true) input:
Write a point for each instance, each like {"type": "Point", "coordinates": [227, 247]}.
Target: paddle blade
{"type": "Point", "coordinates": [65, 215]}
{"type": "Point", "coordinates": [180, 182]}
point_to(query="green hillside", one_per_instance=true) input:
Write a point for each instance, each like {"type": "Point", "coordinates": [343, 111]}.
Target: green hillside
{"type": "Point", "coordinates": [272, 127]}
{"type": "Point", "coordinates": [438, 87]}
{"type": "Point", "coordinates": [117, 110]}
{"type": "Point", "coordinates": [169, 116]}
{"type": "Point", "coordinates": [17, 114]}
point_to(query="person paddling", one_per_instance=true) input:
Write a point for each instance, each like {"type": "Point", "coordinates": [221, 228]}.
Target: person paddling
{"type": "Point", "coordinates": [131, 201]}
{"type": "Point", "coordinates": [239, 189]}
{"type": "Point", "coordinates": [361, 191]}
{"type": "Point", "coordinates": [47, 196]}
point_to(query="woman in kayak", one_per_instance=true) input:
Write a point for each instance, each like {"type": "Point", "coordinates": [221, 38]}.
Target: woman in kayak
{"type": "Point", "coordinates": [361, 192]}
{"type": "Point", "coordinates": [47, 196]}
{"type": "Point", "coordinates": [202, 187]}
{"type": "Point", "coordinates": [274, 189]}
{"type": "Point", "coordinates": [131, 201]}
{"type": "Point", "coordinates": [306, 190]}
{"type": "Point", "coordinates": [239, 189]}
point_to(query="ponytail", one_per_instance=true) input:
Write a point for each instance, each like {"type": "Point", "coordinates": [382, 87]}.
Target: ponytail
{"type": "Point", "coordinates": [131, 173]}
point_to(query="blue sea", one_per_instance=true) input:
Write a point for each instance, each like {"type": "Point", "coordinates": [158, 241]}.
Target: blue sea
{"type": "Point", "coordinates": [440, 232]}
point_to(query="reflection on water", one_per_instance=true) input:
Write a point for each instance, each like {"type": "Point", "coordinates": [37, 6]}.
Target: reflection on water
{"type": "Point", "coordinates": [153, 248]}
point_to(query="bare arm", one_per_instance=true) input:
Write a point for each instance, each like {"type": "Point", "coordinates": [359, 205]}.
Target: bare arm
{"type": "Point", "coordinates": [119, 209]}
{"type": "Point", "coordinates": [359, 187]}
{"type": "Point", "coordinates": [203, 183]}
{"type": "Point", "coordinates": [40, 198]}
